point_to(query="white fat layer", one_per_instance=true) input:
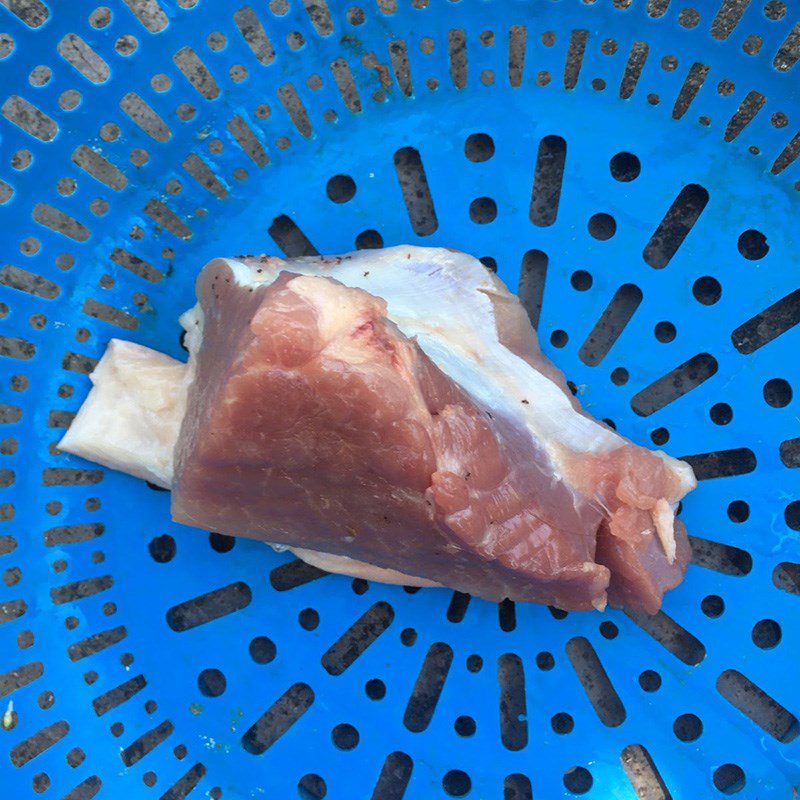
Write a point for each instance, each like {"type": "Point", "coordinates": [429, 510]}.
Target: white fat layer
{"type": "Point", "coordinates": [131, 417]}
{"type": "Point", "coordinates": [130, 422]}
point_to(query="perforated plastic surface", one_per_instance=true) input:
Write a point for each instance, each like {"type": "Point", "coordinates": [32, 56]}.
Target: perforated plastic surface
{"type": "Point", "coordinates": [140, 139]}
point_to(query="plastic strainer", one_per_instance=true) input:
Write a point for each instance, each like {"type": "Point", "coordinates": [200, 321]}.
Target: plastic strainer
{"type": "Point", "coordinates": [629, 166]}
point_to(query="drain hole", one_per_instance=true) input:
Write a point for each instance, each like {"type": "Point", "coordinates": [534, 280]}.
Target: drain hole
{"type": "Point", "coordinates": [753, 245]}
{"type": "Point", "coordinates": [517, 42]}
{"type": "Point", "coordinates": [118, 695]}
{"type": "Point", "coordinates": [562, 723]}
{"type": "Point", "coordinates": [768, 325]}
{"type": "Point", "coordinates": [665, 332]}
{"type": "Point", "coordinates": [375, 689]}
{"type": "Point", "coordinates": [357, 638]}
{"type": "Point", "coordinates": [750, 106]}
{"type": "Point", "coordinates": [341, 188]}
{"type": "Point", "coordinates": [311, 787]}
{"type": "Point", "coordinates": [633, 69]}
{"type": "Point", "coordinates": [789, 52]}
{"type": "Point", "coordinates": [643, 774]}
{"type": "Point", "coordinates": [575, 54]}
{"type": "Point", "coordinates": [729, 778]}
{"type": "Point", "coordinates": [208, 607]}
{"type": "Point", "coordinates": [625, 167]}
{"type": "Point", "coordinates": [531, 283]}
{"type": "Point", "coordinates": [465, 726]}
{"type": "Point", "coordinates": [211, 682]}
{"type": "Point", "coordinates": [221, 543]}
{"type": "Point", "coordinates": [786, 576]}
{"type": "Point", "coordinates": [595, 682]}
{"type": "Point", "coordinates": [790, 453]}
{"type": "Point", "coordinates": [547, 180]}
{"type": "Point", "coordinates": [290, 238]}
{"type": "Point", "coordinates": [278, 718]}
{"type": "Point", "coordinates": [777, 392]}
{"type": "Point", "coordinates": [674, 384]}
{"type": "Point", "coordinates": [707, 290]}
{"type": "Point", "coordinates": [456, 783]}
{"type": "Point", "coordinates": [293, 574]}
{"type": "Point", "coordinates": [674, 228]}
{"type": "Point", "coordinates": [458, 607]}
{"type": "Point", "coordinates": [345, 736]}
{"type": "Point", "coordinates": [671, 635]}
{"type": "Point", "coordinates": [602, 226]}
{"type": "Point", "coordinates": [428, 687]}
{"type": "Point", "coordinates": [507, 615]}
{"type": "Point", "coordinates": [479, 147]}
{"type": "Point", "coordinates": [457, 50]}
{"type": "Point", "coordinates": [369, 240]}
{"type": "Point", "coordinates": [483, 210]}
{"type": "Point", "coordinates": [687, 727]}
{"type": "Point", "coordinates": [611, 324]}
{"type": "Point", "coordinates": [721, 413]}
{"type": "Point", "coordinates": [720, 557]}
{"type": "Point", "coordinates": [578, 780]}
{"type": "Point", "coordinates": [712, 606]}
{"type": "Point", "coordinates": [394, 777]}
{"type": "Point", "coordinates": [513, 707]}
{"type": "Point", "coordinates": [650, 681]}
{"type": "Point", "coordinates": [416, 192]}
{"type": "Point", "coordinates": [766, 634]}
{"type": "Point", "coordinates": [722, 463]}
{"type": "Point", "coordinates": [262, 650]}
{"type": "Point", "coordinates": [691, 86]}
{"type": "Point", "coordinates": [517, 787]}
{"type": "Point", "coordinates": [756, 704]}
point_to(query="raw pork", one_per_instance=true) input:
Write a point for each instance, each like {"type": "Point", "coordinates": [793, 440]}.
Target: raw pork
{"type": "Point", "coordinates": [393, 408]}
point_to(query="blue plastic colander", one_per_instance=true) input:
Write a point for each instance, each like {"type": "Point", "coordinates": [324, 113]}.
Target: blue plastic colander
{"type": "Point", "coordinates": [629, 166]}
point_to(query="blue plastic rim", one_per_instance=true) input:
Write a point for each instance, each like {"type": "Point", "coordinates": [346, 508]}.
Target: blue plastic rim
{"type": "Point", "coordinates": [142, 138]}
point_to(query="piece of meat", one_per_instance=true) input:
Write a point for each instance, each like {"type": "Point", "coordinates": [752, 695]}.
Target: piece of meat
{"type": "Point", "coordinates": [316, 410]}
{"type": "Point", "coordinates": [132, 415]}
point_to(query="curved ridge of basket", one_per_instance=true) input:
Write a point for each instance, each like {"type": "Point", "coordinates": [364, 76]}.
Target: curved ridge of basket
{"type": "Point", "coordinates": [629, 167]}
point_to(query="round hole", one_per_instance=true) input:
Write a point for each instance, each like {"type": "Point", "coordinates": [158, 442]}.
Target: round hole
{"type": "Point", "coordinates": [465, 726]}
{"type": "Point", "coordinates": [375, 689]}
{"type": "Point", "coordinates": [562, 723]}
{"type": "Point", "coordinates": [619, 376]}
{"type": "Point", "coordinates": [650, 680]}
{"type": "Point", "coordinates": [180, 752]}
{"type": "Point", "coordinates": [345, 736]}
{"type": "Point", "coordinates": [341, 188]}
{"type": "Point", "coordinates": [149, 779]}
{"type": "Point", "coordinates": [308, 619]}
{"type": "Point", "coordinates": [46, 700]}
{"type": "Point", "coordinates": [369, 240]}
{"type": "Point", "coordinates": [456, 783]}
{"type": "Point", "coordinates": [738, 511]}
{"type": "Point", "coordinates": [220, 542]}
{"type": "Point", "coordinates": [41, 782]}
{"type": "Point", "coordinates": [545, 661]}
{"type": "Point", "coordinates": [162, 548]}
{"type": "Point", "coordinates": [581, 280]}
{"type": "Point", "coordinates": [408, 636]}
{"type": "Point", "coordinates": [474, 663]}
{"type": "Point", "coordinates": [659, 436]}
{"type": "Point", "coordinates": [729, 778]}
{"type": "Point", "coordinates": [712, 606]}
{"type": "Point", "coordinates": [766, 634]}
{"type": "Point", "coordinates": [262, 650]}
{"type": "Point", "coordinates": [608, 630]}
{"type": "Point", "coordinates": [775, 10]}
{"type": "Point", "coordinates": [721, 413]}
{"type": "Point", "coordinates": [215, 793]}
{"type": "Point", "coordinates": [687, 727]}
{"type": "Point", "coordinates": [602, 226]}
{"type": "Point", "coordinates": [117, 729]}
{"type": "Point", "coordinates": [76, 757]}
{"type": "Point", "coordinates": [482, 210]}
{"type": "Point", "coordinates": [707, 290]}
{"type": "Point", "coordinates": [777, 392]}
{"type": "Point", "coordinates": [625, 167]}
{"type": "Point", "coordinates": [559, 338]}
{"type": "Point", "coordinates": [360, 586]}
{"type": "Point", "coordinates": [578, 780]}
{"type": "Point", "coordinates": [211, 683]}
{"type": "Point", "coordinates": [753, 245]}
{"type": "Point", "coordinates": [479, 147]}
{"type": "Point", "coordinates": [792, 515]}
{"type": "Point", "coordinates": [311, 787]}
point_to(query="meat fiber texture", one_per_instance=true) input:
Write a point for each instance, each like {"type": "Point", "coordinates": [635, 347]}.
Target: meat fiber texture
{"type": "Point", "coordinates": [391, 410]}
